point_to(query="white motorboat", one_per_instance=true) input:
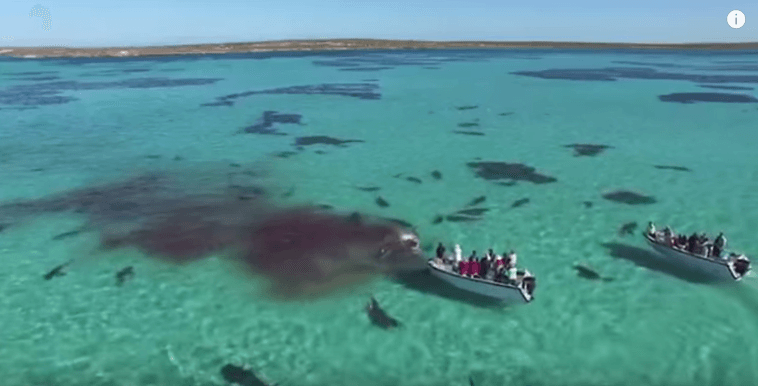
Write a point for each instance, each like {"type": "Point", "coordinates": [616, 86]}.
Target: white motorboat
{"type": "Point", "coordinates": [728, 266]}
{"type": "Point", "coordinates": [507, 293]}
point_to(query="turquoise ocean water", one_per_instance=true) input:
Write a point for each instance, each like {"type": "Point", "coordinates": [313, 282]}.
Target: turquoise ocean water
{"type": "Point", "coordinates": [67, 123]}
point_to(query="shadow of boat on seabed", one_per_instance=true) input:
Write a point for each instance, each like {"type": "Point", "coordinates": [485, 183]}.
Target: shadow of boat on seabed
{"type": "Point", "coordinates": [649, 260]}
{"type": "Point", "coordinates": [425, 282]}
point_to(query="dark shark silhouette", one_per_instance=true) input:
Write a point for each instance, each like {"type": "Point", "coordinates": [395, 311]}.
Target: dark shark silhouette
{"type": "Point", "coordinates": [379, 317]}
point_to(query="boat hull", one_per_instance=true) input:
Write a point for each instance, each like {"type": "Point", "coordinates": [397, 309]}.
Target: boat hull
{"type": "Point", "coordinates": [508, 294]}
{"type": "Point", "coordinates": [720, 270]}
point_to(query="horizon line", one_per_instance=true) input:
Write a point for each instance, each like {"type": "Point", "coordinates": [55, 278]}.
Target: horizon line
{"type": "Point", "coordinates": [462, 41]}
{"type": "Point", "coordinates": [350, 44]}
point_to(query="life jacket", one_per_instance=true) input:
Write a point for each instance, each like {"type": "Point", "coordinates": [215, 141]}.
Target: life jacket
{"type": "Point", "coordinates": [463, 267]}
{"type": "Point", "coordinates": [499, 262]}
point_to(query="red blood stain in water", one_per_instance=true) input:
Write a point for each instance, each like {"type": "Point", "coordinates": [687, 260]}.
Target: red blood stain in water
{"type": "Point", "coordinates": [181, 223]}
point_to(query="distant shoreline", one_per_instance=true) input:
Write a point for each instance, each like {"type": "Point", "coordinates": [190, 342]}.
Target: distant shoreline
{"type": "Point", "coordinates": [341, 45]}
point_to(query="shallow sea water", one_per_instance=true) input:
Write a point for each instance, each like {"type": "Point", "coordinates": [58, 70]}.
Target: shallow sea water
{"type": "Point", "coordinates": [180, 325]}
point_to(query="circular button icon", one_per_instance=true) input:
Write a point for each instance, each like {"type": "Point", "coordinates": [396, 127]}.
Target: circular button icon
{"type": "Point", "coordinates": [736, 19]}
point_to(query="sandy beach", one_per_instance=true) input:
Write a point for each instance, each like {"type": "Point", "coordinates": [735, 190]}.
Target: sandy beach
{"type": "Point", "coordinates": [340, 44]}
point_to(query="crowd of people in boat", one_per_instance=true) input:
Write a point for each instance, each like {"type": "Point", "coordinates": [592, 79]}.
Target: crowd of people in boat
{"type": "Point", "coordinates": [491, 266]}
{"type": "Point", "coordinates": [697, 244]}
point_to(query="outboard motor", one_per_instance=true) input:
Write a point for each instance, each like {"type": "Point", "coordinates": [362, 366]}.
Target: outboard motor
{"type": "Point", "coordinates": [741, 265]}
{"type": "Point", "coordinates": [530, 283]}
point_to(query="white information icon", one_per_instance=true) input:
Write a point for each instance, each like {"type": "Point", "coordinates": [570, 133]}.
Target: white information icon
{"type": "Point", "coordinates": [736, 19]}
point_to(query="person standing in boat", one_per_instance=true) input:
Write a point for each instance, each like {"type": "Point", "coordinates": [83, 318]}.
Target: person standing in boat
{"type": "Point", "coordinates": [498, 268]}
{"type": "Point", "coordinates": [703, 244]}
{"type": "Point", "coordinates": [471, 259]}
{"type": "Point", "coordinates": [493, 265]}
{"type": "Point", "coordinates": [651, 229]}
{"type": "Point", "coordinates": [512, 275]}
{"type": "Point", "coordinates": [511, 259]}
{"type": "Point", "coordinates": [719, 244]}
{"type": "Point", "coordinates": [463, 267]}
{"type": "Point", "coordinates": [692, 243]}
{"type": "Point", "coordinates": [449, 261]}
{"type": "Point", "coordinates": [485, 263]}
{"type": "Point", "coordinates": [506, 265]}
{"type": "Point", "coordinates": [668, 236]}
{"type": "Point", "coordinates": [439, 258]}
{"type": "Point", "coordinates": [458, 257]}
{"type": "Point", "coordinates": [474, 268]}
{"type": "Point", "coordinates": [682, 242]}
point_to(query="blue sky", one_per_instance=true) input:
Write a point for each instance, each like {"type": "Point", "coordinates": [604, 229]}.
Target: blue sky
{"type": "Point", "coordinates": [87, 23]}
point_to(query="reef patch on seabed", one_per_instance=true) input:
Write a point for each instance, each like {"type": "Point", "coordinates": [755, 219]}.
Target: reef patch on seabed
{"type": "Point", "coordinates": [462, 218]}
{"type": "Point", "coordinates": [496, 170]}
{"type": "Point", "coordinates": [473, 211]}
{"type": "Point", "coordinates": [650, 64]}
{"type": "Point", "coordinates": [368, 188]}
{"type": "Point", "coordinates": [367, 91]}
{"type": "Point", "coordinates": [48, 93]}
{"type": "Point", "coordinates": [366, 69]}
{"type": "Point", "coordinates": [183, 215]}
{"type": "Point", "coordinates": [711, 97]}
{"type": "Point", "coordinates": [22, 108]}
{"type": "Point", "coordinates": [629, 198]}
{"type": "Point", "coordinates": [732, 67]}
{"type": "Point", "coordinates": [266, 123]}
{"type": "Point", "coordinates": [114, 72]}
{"type": "Point", "coordinates": [719, 87]}
{"type": "Point", "coordinates": [431, 60]}
{"type": "Point", "coordinates": [324, 140]}
{"type": "Point", "coordinates": [589, 150]}
{"type": "Point", "coordinates": [380, 61]}
{"type": "Point", "coordinates": [611, 74]}
{"type": "Point", "coordinates": [670, 167]}
{"type": "Point", "coordinates": [30, 73]}
{"type": "Point", "coordinates": [32, 76]}
{"type": "Point", "coordinates": [723, 66]}
{"type": "Point", "coordinates": [285, 154]}
{"type": "Point", "coordinates": [43, 78]}
{"type": "Point", "coordinates": [469, 133]}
